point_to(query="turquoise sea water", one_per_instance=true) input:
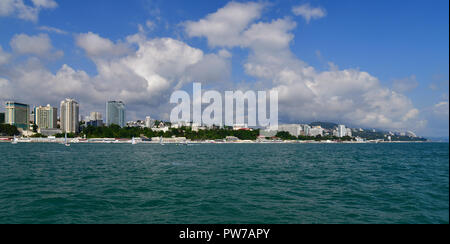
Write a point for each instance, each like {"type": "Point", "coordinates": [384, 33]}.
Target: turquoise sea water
{"type": "Point", "coordinates": [226, 183]}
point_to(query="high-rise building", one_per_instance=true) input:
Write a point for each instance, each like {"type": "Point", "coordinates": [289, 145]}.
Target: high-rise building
{"type": "Point", "coordinates": [69, 117]}
{"type": "Point", "coordinates": [149, 122]}
{"type": "Point", "coordinates": [2, 118]}
{"type": "Point", "coordinates": [94, 119]}
{"type": "Point", "coordinates": [17, 114]}
{"type": "Point", "coordinates": [349, 132]}
{"type": "Point", "coordinates": [115, 113]}
{"type": "Point", "coordinates": [342, 131]}
{"type": "Point", "coordinates": [95, 116]}
{"type": "Point", "coordinates": [32, 117]}
{"type": "Point", "coordinates": [306, 130]}
{"type": "Point", "coordinates": [46, 117]}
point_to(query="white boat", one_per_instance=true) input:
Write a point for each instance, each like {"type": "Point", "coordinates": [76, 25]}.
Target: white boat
{"type": "Point", "coordinates": [14, 141]}
{"type": "Point", "coordinates": [65, 141]}
{"type": "Point", "coordinates": [161, 140]}
{"type": "Point", "coordinates": [133, 141]}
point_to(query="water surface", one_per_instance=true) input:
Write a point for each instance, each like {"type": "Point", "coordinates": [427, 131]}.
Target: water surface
{"type": "Point", "coordinates": [226, 183]}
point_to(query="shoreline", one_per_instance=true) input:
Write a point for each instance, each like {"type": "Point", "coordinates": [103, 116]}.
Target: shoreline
{"type": "Point", "coordinates": [170, 141]}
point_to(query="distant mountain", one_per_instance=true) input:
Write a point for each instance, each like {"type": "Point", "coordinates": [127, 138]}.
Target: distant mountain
{"type": "Point", "coordinates": [325, 125]}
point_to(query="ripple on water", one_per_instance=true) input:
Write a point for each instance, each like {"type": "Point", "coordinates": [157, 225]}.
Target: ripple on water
{"type": "Point", "coordinates": [254, 183]}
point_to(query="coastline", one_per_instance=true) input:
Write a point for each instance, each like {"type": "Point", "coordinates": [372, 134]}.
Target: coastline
{"type": "Point", "coordinates": [171, 141]}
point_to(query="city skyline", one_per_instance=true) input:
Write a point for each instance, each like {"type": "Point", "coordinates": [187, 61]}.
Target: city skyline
{"type": "Point", "coordinates": [321, 76]}
{"type": "Point", "coordinates": [47, 114]}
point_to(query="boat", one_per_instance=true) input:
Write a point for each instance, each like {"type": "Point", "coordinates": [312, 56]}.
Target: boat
{"type": "Point", "coordinates": [161, 140]}
{"type": "Point", "coordinates": [14, 141]}
{"type": "Point", "coordinates": [65, 141]}
{"type": "Point", "coordinates": [133, 141]}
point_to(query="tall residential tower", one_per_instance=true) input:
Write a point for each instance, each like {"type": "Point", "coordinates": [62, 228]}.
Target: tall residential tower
{"type": "Point", "coordinates": [69, 116]}
{"type": "Point", "coordinates": [46, 117]}
{"type": "Point", "coordinates": [17, 114]}
{"type": "Point", "coordinates": [115, 113]}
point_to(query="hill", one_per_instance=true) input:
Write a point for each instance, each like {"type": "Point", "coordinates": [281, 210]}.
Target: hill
{"type": "Point", "coordinates": [325, 125]}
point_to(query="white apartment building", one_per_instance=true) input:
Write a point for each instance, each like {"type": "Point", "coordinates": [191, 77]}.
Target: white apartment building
{"type": "Point", "coordinates": [69, 117]}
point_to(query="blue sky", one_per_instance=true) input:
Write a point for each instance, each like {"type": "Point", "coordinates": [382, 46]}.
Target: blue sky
{"type": "Point", "coordinates": [404, 45]}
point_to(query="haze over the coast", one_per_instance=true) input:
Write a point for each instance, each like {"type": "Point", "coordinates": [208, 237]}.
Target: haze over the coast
{"type": "Point", "coordinates": [336, 61]}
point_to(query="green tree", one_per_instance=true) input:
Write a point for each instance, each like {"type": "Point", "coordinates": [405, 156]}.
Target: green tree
{"type": "Point", "coordinates": [8, 130]}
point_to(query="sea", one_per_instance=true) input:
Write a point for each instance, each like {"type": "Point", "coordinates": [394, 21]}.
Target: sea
{"type": "Point", "coordinates": [400, 183]}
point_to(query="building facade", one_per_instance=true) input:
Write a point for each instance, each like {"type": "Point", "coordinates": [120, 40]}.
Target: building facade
{"type": "Point", "coordinates": [115, 113]}
{"type": "Point", "coordinates": [293, 129]}
{"type": "Point", "coordinates": [17, 114]}
{"type": "Point", "coordinates": [49, 132]}
{"type": "Point", "coordinates": [69, 117]}
{"type": "Point", "coordinates": [306, 129]}
{"type": "Point", "coordinates": [95, 123]}
{"type": "Point", "coordinates": [95, 116]}
{"type": "Point", "coordinates": [46, 117]}
{"type": "Point", "coordinates": [349, 132]}
{"type": "Point", "coordinates": [149, 122]}
{"type": "Point", "coordinates": [342, 131]}
{"type": "Point", "coordinates": [316, 131]}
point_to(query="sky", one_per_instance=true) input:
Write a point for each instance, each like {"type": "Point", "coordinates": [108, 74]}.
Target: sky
{"type": "Point", "coordinates": [370, 64]}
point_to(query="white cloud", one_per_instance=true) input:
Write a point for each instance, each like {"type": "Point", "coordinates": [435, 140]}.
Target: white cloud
{"type": "Point", "coordinates": [4, 57]}
{"type": "Point", "coordinates": [308, 12]}
{"type": "Point", "coordinates": [143, 72]}
{"type": "Point", "coordinates": [5, 90]}
{"type": "Point", "coordinates": [39, 45]}
{"type": "Point", "coordinates": [441, 109]}
{"type": "Point", "coordinates": [52, 29]}
{"type": "Point", "coordinates": [212, 68]}
{"type": "Point", "coordinates": [147, 27]}
{"type": "Point", "coordinates": [405, 85]}
{"type": "Point", "coordinates": [96, 46]}
{"type": "Point", "coordinates": [6, 7]}
{"type": "Point", "coordinates": [19, 9]}
{"type": "Point", "coordinates": [224, 27]}
{"type": "Point", "coordinates": [305, 94]}
{"type": "Point", "coordinates": [45, 3]}
{"type": "Point", "coordinates": [225, 53]}
{"type": "Point", "coordinates": [32, 83]}
{"type": "Point", "coordinates": [269, 36]}
{"type": "Point", "coordinates": [143, 78]}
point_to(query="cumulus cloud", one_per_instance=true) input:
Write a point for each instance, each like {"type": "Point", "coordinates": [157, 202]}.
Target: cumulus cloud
{"type": "Point", "coordinates": [4, 56]}
{"type": "Point", "coordinates": [308, 12]}
{"type": "Point", "coordinates": [143, 77]}
{"type": "Point", "coordinates": [21, 10]}
{"type": "Point", "coordinates": [224, 27]}
{"type": "Point", "coordinates": [305, 94]}
{"type": "Point", "coordinates": [225, 53]}
{"type": "Point", "coordinates": [39, 45]}
{"type": "Point", "coordinates": [143, 72]}
{"type": "Point", "coordinates": [96, 46]}
{"type": "Point", "coordinates": [438, 115]}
